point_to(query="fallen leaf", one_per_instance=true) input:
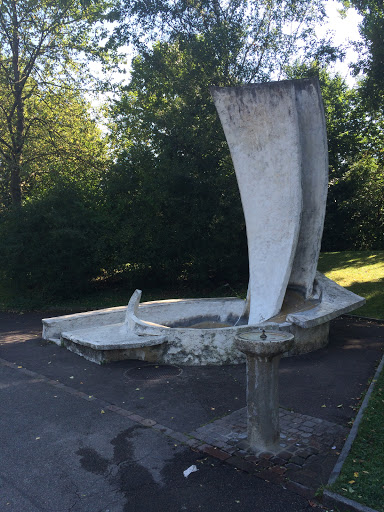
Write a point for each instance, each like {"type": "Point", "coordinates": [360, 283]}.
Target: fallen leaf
{"type": "Point", "coordinates": [19, 366]}
{"type": "Point", "coordinates": [72, 377]}
{"type": "Point", "coordinates": [37, 437]}
{"type": "Point", "coordinates": [340, 405]}
{"type": "Point", "coordinates": [102, 411]}
{"type": "Point", "coordinates": [324, 405]}
{"type": "Point", "coordinates": [356, 474]}
{"type": "Point", "coordinates": [351, 481]}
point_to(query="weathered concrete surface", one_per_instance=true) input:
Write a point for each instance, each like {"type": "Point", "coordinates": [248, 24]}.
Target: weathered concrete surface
{"type": "Point", "coordinates": [263, 352]}
{"type": "Point", "coordinates": [111, 337]}
{"type": "Point", "coordinates": [53, 327]}
{"type": "Point", "coordinates": [314, 176]}
{"type": "Point", "coordinates": [334, 301]}
{"type": "Point", "coordinates": [174, 332]}
{"type": "Point", "coordinates": [262, 129]}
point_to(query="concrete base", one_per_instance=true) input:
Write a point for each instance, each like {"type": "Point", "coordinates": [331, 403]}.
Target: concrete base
{"type": "Point", "coordinates": [151, 354]}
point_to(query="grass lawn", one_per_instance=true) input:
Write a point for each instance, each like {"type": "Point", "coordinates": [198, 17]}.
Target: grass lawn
{"type": "Point", "coordinates": [362, 475]}
{"type": "Point", "coordinates": [362, 272]}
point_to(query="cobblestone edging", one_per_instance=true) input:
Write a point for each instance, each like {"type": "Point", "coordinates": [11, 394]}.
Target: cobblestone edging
{"type": "Point", "coordinates": [309, 446]}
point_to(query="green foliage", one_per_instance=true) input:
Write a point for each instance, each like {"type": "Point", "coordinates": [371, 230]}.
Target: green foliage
{"type": "Point", "coordinates": [52, 244]}
{"type": "Point", "coordinates": [250, 38]}
{"type": "Point", "coordinates": [63, 141]}
{"type": "Point", "coordinates": [371, 50]}
{"type": "Point", "coordinates": [42, 50]}
{"type": "Point", "coordinates": [174, 180]}
{"type": "Point", "coordinates": [175, 207]}
{"type": "Point", "coordinates": [355, 205]}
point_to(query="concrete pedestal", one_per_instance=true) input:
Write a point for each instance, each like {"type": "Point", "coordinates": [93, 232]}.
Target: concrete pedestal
{"type": "Point", "coordinates": [263, 352]}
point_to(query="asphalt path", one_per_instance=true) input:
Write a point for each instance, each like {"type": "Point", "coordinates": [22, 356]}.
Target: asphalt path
{"type": "Point", "coordinates": [63, 453]}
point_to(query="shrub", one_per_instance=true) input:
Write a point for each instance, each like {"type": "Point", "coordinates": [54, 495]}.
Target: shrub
{"type": "Point", "coordinates": [52, 244]}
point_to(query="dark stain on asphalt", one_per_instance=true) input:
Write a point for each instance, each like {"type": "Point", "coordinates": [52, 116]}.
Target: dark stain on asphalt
{"type": "Point", "coordinates": [93, 462]}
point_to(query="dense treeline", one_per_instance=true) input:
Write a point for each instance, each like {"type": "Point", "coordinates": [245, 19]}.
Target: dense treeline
{"type": "Point", "coordinates": [156, 199]}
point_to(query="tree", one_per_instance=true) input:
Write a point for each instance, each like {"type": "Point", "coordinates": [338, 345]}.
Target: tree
{"type": "Point", "coordinates": [42, 49]}
{"type": "Point", "coordinates": [175, 198]}
{"type": "Point", "coordinates": [250, 39]}
{"type": "Point", "coordinates": [174, 176]}
{"type": "Point", "coordinates": [62, 141]}
{"type": "Point", "coordinates": [52, 244]}
{"type": "Point", "coordinates": [371, 62]}
{"type": "Point", "coordinates": [355, 205]}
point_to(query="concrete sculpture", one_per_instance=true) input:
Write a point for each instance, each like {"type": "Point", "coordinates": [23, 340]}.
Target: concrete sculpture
{"type": "Point", "coordinates": [277, 138]}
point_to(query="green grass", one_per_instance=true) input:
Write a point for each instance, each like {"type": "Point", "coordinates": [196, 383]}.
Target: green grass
{"type": "Point", "coordinates": [362, 475]}
{"type": "Point", "coordinates": [362, 272]}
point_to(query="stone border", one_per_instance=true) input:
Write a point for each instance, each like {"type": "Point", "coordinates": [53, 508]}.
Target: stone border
{"type": "Point", "coordinates": [368, 318]}
{"type": "Point", "coordinates": [334, 499]}
{"type": "Point", "coordinates": [343, 504]}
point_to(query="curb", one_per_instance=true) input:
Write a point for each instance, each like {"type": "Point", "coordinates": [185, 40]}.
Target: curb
{"type": "Point", "coordinates": [332, 499]}
{"type": "Point", "coordinates": [368, 318]}
{"type": "Point", "coordinates": [335, 499]}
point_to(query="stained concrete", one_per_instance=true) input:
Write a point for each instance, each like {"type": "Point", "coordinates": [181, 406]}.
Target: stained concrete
{"type": "Point", "coordinates": [261, 125]}
{"type": "Point", "coordinates": [263, 352]}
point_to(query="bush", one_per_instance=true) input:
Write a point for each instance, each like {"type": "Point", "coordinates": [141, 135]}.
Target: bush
{"type": "Point", "coordinates": [52, 244]}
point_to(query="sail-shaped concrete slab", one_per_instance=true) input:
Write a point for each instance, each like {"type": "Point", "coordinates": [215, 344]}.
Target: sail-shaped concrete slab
{"type": "Point", "coordinates": [262, 128]}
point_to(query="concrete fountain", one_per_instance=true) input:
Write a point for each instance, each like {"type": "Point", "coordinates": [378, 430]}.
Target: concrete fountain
{"type": "Point", "coordinates": [277, 139]}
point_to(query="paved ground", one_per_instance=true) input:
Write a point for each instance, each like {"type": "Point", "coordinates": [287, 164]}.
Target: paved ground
{"type": "Point", "coordinates": [79, 437]}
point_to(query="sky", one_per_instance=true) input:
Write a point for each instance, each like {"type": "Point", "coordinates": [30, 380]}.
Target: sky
{"type": "Point", "coordinates": [344, 30]}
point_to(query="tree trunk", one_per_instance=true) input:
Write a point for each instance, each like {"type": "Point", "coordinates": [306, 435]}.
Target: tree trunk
{"type": "Point", "coordinates": [16, 183]}
{"type": "Point", "coordinates": [18, 135]}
